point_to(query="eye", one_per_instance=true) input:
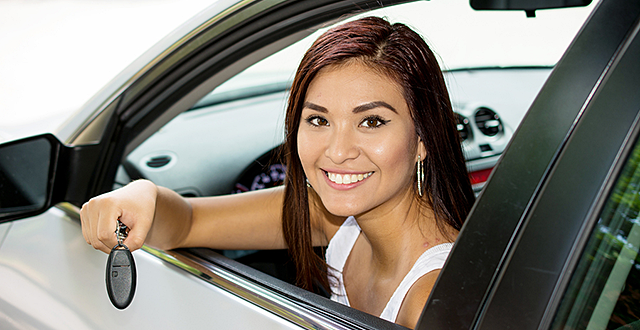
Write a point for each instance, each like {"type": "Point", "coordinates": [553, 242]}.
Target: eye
{"type": "Point", "coordinates": [317, 121]}
{"type": "Point", "coordinates": [373, 122]}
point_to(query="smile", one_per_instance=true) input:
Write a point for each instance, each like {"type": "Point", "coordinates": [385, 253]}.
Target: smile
{"type": "Point", "coordinates": [347, 178]}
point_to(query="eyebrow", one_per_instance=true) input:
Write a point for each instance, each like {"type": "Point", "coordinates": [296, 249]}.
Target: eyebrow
{"type": "Point", "coordinates": [373, 105]}
{"type": "Point", "coordinates": [358, 109]}
{"type": "Point", "coordinates": [315, 107]}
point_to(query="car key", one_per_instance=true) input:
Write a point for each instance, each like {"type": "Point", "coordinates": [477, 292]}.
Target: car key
{"type": "Point", "coordinates": [121, 271]}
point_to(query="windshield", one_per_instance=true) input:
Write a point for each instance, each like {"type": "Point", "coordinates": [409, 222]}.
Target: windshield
{"type": "Point", "coordinates": [461, 37]}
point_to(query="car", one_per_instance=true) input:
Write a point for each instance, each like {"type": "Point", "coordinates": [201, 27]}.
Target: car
{"type": "Point", "coordinates": [250, 121]}
{"type": "Point", "coordinates": [551, 242]}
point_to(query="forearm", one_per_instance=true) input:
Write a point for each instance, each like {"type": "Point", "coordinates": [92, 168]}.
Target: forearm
{"type": "Point", "coordinates": [251, 220]}
{"type": "Point", "coordinates": [171, 222]}
{"type": "Point", "coordinates": [247, 221]}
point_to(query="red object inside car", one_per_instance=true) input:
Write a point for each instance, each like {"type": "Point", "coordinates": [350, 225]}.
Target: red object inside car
{"type": "Point", "coordinates": [480, 176]}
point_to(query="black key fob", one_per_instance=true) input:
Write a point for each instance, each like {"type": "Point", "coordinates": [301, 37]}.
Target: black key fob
{"type": "Point", "coordinates": [121, 276]}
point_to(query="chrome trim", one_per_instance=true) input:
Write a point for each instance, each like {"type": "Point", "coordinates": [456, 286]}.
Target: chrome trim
{"type": "Point", "coordinates": [69, 209]}
{"type": "Point", "coordinates": [256, 294]}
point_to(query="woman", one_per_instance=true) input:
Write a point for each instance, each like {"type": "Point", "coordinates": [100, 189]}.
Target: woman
{"type": "Point", "coordinates": [370, 137]}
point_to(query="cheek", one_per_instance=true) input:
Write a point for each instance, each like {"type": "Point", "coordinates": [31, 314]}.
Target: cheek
{"type": "Point", "coordinates": [396, 152]}
{"type": "Point", "coordinates": [306, 150]}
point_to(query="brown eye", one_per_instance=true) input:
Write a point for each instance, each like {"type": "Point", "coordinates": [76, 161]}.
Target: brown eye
{"type": "Point", "coordinates": [373, 122]}
{"type": "Point", "coordinates": [317, 121]}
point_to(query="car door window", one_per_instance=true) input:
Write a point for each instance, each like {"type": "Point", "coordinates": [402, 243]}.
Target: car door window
{"type": "Point", "coordinates": [494, 63]}
{"type": "Point", "coordinates": [493, 72]}
{"type": "Point", "coordinates": [604, 292]}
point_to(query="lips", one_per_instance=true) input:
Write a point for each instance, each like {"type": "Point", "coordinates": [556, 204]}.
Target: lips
{"type": "Point", "coordinates": [347, 178]}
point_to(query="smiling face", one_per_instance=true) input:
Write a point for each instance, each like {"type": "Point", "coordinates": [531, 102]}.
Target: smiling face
{"type": "Point", "coordinates": [357, 142]}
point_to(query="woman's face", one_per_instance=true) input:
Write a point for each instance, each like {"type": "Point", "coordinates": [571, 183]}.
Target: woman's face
{"type": "Point", "coordinates": [357, 142]}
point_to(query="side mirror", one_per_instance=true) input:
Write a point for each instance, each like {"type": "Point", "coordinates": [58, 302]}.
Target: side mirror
{"type": "Point", "coordinates": [27, 170]}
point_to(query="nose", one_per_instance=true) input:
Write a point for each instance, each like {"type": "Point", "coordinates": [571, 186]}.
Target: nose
{"type": "Point", "coordinates": [342, 145]}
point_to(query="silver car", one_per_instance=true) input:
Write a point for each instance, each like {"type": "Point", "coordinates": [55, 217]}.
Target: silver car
{"type": "Point", "coordinates": [202, 113]}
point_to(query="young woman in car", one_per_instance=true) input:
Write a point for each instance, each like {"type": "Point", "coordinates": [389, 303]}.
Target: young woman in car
{"type": "Point", "coordinates": [375, 172]}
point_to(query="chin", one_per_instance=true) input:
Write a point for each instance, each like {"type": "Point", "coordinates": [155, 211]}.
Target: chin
{"type": "Point", "coordinates": [340, 213]}
{"type": "Point", "coordinates": [342, 209]}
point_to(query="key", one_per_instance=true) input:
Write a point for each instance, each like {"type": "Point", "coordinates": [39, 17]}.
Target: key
{"type": "Point", "coordinates": [121, 271]}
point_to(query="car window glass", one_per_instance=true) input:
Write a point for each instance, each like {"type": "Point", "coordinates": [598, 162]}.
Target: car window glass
{"type": "Point", "coordinates": [604, 292]}
{"type": "Point", "coordinates": [494, 62]}
{"type": "Point", "coordinates": [24, 175]}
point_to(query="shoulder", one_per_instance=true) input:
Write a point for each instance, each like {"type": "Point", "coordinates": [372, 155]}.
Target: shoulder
{"type": "Point", "coordinates": [415, 299]}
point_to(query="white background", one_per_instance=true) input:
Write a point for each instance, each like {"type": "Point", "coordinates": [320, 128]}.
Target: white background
{"type": "Point", "coordinates": [55, 54]}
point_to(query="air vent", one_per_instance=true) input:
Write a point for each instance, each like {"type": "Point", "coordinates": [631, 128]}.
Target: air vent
{"type": "Point", "coordinates": [488, 122]}
{"type": "Point", "coordinates": [485, 147]}
{"type": "Point", "coordinates": [462, 124]}
{"type": "Point", "coordinates": [159, 161]}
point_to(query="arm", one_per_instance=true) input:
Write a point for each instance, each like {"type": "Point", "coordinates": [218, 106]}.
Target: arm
{"type": "Point", "coordinates": [251, 220]}
{"type": "Point", "coordinates": [162, 218]}
{"type": "Point", "coordinates": [415, 300]}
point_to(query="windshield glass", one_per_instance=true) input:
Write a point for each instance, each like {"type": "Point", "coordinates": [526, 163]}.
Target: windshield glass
{"type": "Point", "coordinates": [461, 37]}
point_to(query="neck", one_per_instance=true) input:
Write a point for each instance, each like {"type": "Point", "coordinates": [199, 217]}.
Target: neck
{"type": "Point", "coordinates": [398, 236]}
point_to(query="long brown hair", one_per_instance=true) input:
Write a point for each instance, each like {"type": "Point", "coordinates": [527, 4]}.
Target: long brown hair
{"type": "Point", "coordinates": [401, 54]}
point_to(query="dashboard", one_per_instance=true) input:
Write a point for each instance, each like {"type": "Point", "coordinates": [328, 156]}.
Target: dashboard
{"type": "Point", "coordinates": [226, 142]}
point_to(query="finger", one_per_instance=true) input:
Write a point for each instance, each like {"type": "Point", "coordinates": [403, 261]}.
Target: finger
{"type": "Point", "coordinates": [96, 242]}
{"type": "Point", "coordinates": [90, 216]}
{"type": "Point", "coordinates": [83, 222]}
{"type": "Point", "coordinates": [138, 230]}
{"type": "Point", "coordinates": [105, 230]}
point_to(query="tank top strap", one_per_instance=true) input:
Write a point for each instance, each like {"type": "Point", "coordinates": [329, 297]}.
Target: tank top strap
{"type": "Point", "coordinates": [337, 254]}
{"type": "Point", "coordinates": [342, 243]}
{"type": "Point", "coordinates": [432, 259]}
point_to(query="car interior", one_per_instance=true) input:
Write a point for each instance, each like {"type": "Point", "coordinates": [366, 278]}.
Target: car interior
{"type": "Point", "coordinates": [228, 140]}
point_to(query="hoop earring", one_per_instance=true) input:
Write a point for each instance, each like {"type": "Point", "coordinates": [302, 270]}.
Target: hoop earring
{"type": "Point", "coordinates": [420, 176]}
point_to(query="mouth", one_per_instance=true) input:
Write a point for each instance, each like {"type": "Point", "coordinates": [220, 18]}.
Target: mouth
{"type": "Point", "coordinates": [347, 178]}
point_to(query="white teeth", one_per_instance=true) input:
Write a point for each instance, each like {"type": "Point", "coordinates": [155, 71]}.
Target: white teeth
{"type": "Point", "coordinates": [347, 178]}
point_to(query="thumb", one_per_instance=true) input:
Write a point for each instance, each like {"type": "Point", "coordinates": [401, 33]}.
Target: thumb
{"type": "Point", "coordinates": [137, 235]}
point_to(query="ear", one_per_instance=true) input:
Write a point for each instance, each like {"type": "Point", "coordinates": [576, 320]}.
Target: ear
{"type": "Point", "coordinates": [422, 150]}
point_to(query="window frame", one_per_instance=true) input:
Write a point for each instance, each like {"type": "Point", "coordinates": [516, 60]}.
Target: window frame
{"type": "Point", "coordinates": [140, 109]}
{"type": "Point", "coordinates": [493, 236]}
{"type": "Point", "coordinates": [175, 80]}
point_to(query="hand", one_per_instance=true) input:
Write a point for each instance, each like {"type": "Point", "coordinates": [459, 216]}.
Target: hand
{"type": "Point", "coordinates": [133, 204]}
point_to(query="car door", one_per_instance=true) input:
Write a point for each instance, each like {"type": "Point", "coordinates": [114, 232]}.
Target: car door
{"type": "Point", "coordinates": [50, 275]}
{"type": "Point", "coordinates": [127, 112]}
{"type": "Point", "coordinates": [522, 252]}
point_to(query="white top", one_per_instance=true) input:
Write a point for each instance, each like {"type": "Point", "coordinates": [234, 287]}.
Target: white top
{"type": "Point", "coordinates": [339, 249]}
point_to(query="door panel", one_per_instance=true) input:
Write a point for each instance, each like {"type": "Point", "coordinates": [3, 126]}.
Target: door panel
{"type": "Point", "coordinates": [482, 246]}
{"type": "Point", "coordinates": [51, 279]}
{"type": "Point", "coordinates": [604, 289]}
{"type": "Point", "coordinates": [560, 220]}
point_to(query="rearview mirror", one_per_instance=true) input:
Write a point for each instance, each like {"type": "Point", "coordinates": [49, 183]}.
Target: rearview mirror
{"type": "Point", "coordinates": [27, 168]}
{"type": "Point", "coordinates": [529, 6]}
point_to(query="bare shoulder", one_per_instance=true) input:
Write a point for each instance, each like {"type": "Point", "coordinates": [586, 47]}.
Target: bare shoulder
{"type": "Point", "coordinates": [416, 298]}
